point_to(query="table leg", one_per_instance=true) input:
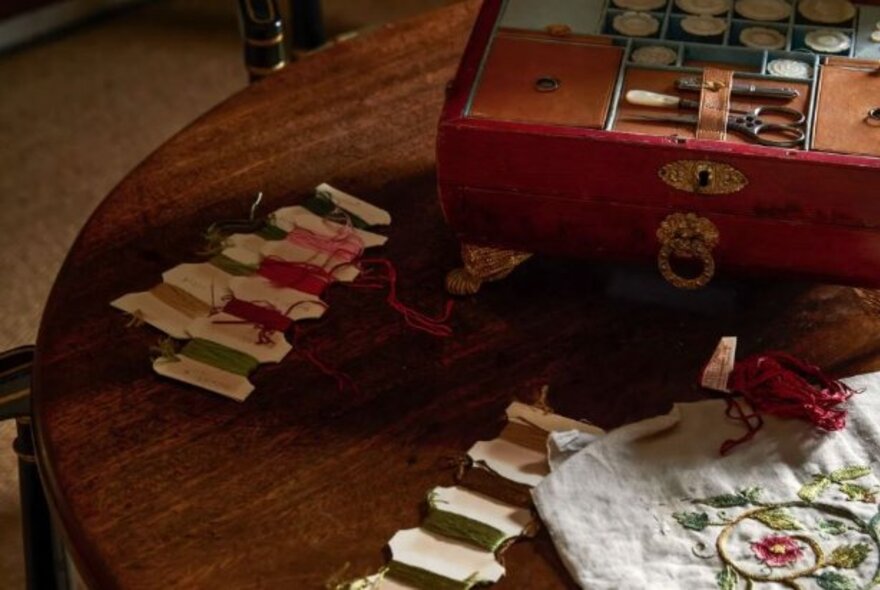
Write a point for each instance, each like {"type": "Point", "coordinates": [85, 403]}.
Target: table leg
{"type": "Point", "coordinates": [482, 264]}
{"type": "Point", "coordinates": [44, 564]}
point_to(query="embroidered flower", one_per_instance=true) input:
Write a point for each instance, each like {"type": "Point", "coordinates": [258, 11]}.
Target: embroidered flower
{"type": "Point", "coordinates": [777, 550]}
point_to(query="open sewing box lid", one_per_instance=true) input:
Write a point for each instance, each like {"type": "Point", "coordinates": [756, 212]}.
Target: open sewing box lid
{"type": "Point", "coordinates": [542, 152]}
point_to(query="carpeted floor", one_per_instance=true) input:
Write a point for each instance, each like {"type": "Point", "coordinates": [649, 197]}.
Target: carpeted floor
{"type": "Point", "coordinates": [80, 110]}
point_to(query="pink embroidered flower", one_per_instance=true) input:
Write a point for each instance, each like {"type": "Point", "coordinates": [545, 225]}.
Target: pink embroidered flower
{"type": "Point", "coordinates": [777, 550]}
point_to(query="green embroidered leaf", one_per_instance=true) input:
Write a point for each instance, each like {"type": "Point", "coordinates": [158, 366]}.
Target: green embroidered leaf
{"type": "Point", "coordinates": [727, 579]}
{"type": "Point", "coordinates": [751, 494]}
{"type": "Point", "coordinates": [835, 581]}
{"type": "Point", "coordinates": [809, 492]}
{"type": "Point", "coordinates": [833, 527]}
{"type": "Point", "coordinates": [857, 493]}
{"type": "Point", "coordinates": [778, 519]}
{"type": "Point", "coordinates": [850, 472]}
{"type": "Point", "coordinates": [849, 556]}
{"type": "Point", "coordinates": [695, 521]}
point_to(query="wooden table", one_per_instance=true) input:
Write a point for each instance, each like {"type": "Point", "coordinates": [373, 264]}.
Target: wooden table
{"type": "Point", "coordinates": [157, 484]}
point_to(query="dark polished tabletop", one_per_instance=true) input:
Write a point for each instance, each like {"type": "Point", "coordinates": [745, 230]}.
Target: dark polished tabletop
{"type": "Point", "coordinates": [160, 485]}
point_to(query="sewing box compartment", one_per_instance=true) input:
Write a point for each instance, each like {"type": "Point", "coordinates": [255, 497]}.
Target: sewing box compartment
{"type": "Point", "coordinates": [630, 130]}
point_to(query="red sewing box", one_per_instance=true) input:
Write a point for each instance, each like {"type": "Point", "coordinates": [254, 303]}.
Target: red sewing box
{"type": "Point", "coordinates": [541, 151]}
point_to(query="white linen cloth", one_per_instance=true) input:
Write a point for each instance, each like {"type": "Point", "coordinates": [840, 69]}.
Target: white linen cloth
{"type": "Point", "coordinates": [792, 508]}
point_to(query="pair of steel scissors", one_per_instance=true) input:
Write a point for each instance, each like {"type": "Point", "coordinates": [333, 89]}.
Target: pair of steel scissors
{"type": "Point", "coordinates": [749, 123]}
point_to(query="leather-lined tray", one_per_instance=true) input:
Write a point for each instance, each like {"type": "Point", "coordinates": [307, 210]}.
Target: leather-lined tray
{"type": "Point", "coordinates": [532, 172]}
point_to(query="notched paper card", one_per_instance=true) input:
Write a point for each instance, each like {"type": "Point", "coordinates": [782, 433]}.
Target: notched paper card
{"type": "Point", "coordinates": [147, 307]}
{"type": "Point", "coordinates": [243, 336]}
{"type": "Point", "coordinates": [203, 281]}
{"type": "Point", "coordinates": [511, 461]}
{"type": "Point", "coordinates": [243, 255]}
{"type": "Point", "coordinates": [251, 242]}
{"type": "Point", "coordinates": [444, 557]}
{"type": "Point", "coordinates": [369, 213]}
{"type": "Point", "coordinates": [510, 520]}
{"type": "Point", "coordinates": [520, 413]}
{"type": "Point", "coordinates": [186, 370]}
{"type": "Point", "coordinates": [288, 218]}
{"type": "Point", "coordinates": [294, 304]}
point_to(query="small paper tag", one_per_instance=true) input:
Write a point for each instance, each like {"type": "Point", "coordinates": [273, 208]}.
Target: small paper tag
{"type": "Point", "coordinates": [718, 370]}
{"type": "Point", "coordinates": [370, 213]}
{"type": "Point", "coordinates": [186, 370]}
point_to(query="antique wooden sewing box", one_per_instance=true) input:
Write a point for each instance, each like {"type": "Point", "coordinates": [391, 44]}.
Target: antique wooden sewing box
{"type": "Point", "coordinates": [539, 151]}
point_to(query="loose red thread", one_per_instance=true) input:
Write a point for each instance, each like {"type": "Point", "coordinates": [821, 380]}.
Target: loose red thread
{"type": "Point", "coordinates": [270, 320]}
{"type": "Point", "coordinates": [387, 276]}
{"type": "Point", "coordinates": [779, 384]}
{"type": "Point", "coordinates": [301, 276]}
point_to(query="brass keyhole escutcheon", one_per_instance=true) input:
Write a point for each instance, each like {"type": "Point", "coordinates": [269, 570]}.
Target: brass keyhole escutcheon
{"type": "Point", "coordinates": [687, 236]}
{"type": "Point", "coordinates": [703, 177]}
{"type": "Point", "coordinates": [547, 84]}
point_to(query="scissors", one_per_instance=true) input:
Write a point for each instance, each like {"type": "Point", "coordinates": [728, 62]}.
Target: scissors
{"type": "Point", "coordinates": [748, 123]}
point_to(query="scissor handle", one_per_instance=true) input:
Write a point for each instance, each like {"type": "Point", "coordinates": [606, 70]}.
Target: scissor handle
{"type": "Point", "coordinates": [758, 130]}
{"type": "Point", "coordinates": [793, 116]}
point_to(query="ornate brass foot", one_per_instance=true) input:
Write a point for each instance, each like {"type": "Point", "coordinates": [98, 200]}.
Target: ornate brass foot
{"type": "Point", "coordinates": [482, 264]}
{"type": "Point", "coordinates": [870, 298]}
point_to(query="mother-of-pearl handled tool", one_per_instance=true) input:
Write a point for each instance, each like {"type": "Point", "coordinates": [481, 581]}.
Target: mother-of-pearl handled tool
{"type": "Point", "coordinates": [646, 98]}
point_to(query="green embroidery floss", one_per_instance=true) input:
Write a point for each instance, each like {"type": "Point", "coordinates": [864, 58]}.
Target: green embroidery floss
{"type": "Point", "coordinates": [219, 356]}
{"type": "Point", "coordinates": [233, 267]}
{"type": "Point", "coordinates": [423, 579]}
{"type": "Point", "coordinates": [456, 526]}
{"type": "Point", "coordinates": [322, 206]}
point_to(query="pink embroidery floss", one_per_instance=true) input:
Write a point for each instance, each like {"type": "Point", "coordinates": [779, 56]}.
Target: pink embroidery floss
{"type": "Point", "coordinates": [779, 384]}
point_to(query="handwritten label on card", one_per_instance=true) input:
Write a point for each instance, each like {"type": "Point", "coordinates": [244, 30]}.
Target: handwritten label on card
{"type": "Point", "coordinates": [186, 370]}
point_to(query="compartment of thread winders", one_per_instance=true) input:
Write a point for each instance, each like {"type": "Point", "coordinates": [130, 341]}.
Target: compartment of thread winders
{"type": "Point", "coordinates": [768, 25]}
{"type": "Point", "coordinates": [670, 87]}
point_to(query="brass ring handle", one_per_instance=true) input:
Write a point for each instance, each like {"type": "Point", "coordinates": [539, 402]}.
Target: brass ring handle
{"type": "Point", "coordinates": [686, 235]}
{"type": "Point", "coordinates": [700, 251]}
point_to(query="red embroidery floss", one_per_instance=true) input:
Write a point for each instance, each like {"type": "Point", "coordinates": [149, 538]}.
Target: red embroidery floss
{"type": "Point", "coordinates": [345, 246]}
{"type": "Point", "coordinates": [303, 277]}
{"type": "Point", "coordinates": [778, 384]}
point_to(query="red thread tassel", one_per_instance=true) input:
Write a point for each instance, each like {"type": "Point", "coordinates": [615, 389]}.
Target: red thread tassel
{"type": "Point", "coordinates": [781, 385]}
{"type": "Point", "coordinates": [436, 326]}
